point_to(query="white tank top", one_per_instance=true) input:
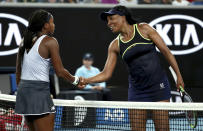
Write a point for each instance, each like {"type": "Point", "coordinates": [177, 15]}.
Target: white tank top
{"type": "Point", "coordinates": [35, 67]}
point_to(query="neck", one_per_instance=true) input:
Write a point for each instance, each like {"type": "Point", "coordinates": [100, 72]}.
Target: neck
{"type": "Point", "coordinates": [39, 34]}
{"type": "Point", "coordinates": [88, 67]}
{"type": "Point", "coordinates": [43, 32]}
{"type": "Point", "coordinates": [127, 31]}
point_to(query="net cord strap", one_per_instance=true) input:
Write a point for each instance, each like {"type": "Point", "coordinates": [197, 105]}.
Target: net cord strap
{"type": "Point", "coordinates": [120, 104]}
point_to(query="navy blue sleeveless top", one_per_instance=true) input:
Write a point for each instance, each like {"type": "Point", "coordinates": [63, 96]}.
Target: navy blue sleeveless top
{"type": "Point", "coordinates": [142, 60]}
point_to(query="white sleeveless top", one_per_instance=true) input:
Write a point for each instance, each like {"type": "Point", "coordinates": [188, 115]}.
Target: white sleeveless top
{"type": "Point", "coordinates": [35, 67]}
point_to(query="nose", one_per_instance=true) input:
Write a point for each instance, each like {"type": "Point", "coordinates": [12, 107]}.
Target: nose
{"type": "Point", "coordinates": [108, 22]}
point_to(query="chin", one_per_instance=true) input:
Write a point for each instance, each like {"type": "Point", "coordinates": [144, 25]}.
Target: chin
{"type": "Point", "coordinates": [115, 31]}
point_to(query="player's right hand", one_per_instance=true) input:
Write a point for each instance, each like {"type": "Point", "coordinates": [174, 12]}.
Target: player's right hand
{"type": "Point", "coordinates": [82, 83]}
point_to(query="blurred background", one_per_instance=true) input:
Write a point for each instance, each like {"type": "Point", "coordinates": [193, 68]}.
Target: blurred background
{"type": "Point", "coordinates": [79, 30]}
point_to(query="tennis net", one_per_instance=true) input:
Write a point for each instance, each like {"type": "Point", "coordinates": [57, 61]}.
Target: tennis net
{"type": "Point", "coordinates": [76, 115]}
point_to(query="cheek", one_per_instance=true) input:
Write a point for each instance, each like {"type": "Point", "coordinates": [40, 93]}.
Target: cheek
{"type": "Point", "coordinates": [121, 21]}
{"type": "Point", "coordinates": [118, 22]}
{"type": "Point", "coordinates": [53, 27]}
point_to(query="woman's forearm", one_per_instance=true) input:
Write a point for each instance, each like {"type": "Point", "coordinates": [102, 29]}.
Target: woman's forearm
{"type": "Point", "coordinates": [172, 61]}
{"type": "Point", "coordinates": [63, 73]}
{"type": "Point", "coordinates": [101, 77]}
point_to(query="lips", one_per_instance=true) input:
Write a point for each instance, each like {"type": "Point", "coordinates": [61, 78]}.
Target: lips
{"type": "Point", "coordinates": [112, 27]}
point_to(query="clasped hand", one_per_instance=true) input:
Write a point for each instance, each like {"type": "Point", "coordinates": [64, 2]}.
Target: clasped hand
{"type": "Point", "coordinates": [82, 83]}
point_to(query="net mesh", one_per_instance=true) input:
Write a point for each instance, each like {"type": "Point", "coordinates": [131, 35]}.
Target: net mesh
{"type": "Point", "coordinates": [111, 116]}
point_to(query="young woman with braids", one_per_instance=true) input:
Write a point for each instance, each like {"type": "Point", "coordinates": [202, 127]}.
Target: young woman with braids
{"type": "Point", "coordinates": [37, 50]}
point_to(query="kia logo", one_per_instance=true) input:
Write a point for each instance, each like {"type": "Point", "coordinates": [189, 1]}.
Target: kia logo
{"type": "Point", "coordinates": [181, 33]}
{"type": "Point", "coordinates": [12, 34]}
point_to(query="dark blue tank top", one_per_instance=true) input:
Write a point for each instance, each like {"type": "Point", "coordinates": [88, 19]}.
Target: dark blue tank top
{"type": "Point", "coordinates": [142, 60]}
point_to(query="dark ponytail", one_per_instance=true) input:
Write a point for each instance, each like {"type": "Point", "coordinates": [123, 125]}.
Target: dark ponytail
{"type": "Point", "coordinates": [36, 23]}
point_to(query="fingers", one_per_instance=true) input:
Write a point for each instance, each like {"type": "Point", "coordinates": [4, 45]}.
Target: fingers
{"type": "Point", "coordinates": [97, 88]}
{"type": "Point", "coordinates": [82, 83]}
{"type": "Point", "coordinates": [180, 83]}
{"type": "Point", "coordinates": [81, 86]}
{"type": "Point", "coordinates": [178, 87]}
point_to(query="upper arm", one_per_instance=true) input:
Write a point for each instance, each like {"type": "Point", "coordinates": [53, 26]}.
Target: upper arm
{"type": "Point", "coordinates": [19, 57]}
{"type": "Point", "coordinates": [18, 63]}
{"type": "Point", "coordinates": [113, 51]}
{"type": "Point", "coordinates": [18, 66]}
{"type": "Point", "coordinates": [153, 35]}
{"type": "Point", "coordinates": [53, 48]}
{"type": "Point", "coordinates": [109, 66]}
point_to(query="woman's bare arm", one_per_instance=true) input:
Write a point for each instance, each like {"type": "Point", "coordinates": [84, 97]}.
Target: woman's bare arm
{"type": "Point", "coordinates": [18, 66]}
{"type": "Point", "coordinates": [109, 66]}
{"type": "Point", "coordinates": [152, 34]}
{"type": "Point", "coordinates": [53, 48]}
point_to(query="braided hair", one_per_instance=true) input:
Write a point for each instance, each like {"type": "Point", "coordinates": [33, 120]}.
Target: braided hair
{"type": "Point", "coordinates": [36, 23]}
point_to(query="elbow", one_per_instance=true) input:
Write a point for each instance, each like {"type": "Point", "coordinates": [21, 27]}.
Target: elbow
{"type": "Point", "coordinates": [59, 72]}
{"type": "Point", "coordinates": [107, 75]}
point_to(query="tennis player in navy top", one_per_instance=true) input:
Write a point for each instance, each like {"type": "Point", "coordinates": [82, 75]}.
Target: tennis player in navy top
{"type": "Point", "coordinates": [148, 82]}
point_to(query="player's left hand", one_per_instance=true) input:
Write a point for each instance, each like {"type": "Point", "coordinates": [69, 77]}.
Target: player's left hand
{"type": "Point", "coordinates": [180, 82]}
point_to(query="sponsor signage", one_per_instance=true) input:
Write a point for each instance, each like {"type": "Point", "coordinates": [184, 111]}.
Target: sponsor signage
{"type": "Point", "coordinates": [10, 33]}
{"type": "Point", "coordinates": [181, 33]}
{"type": "Point", "coordinates": [77, 33]}
{"type": "Point", "coordinates": [118, 116]}
{"type": "Point", "coordinates": [112, 116]}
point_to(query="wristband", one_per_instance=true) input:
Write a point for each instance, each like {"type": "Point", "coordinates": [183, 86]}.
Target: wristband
{"type": "Point", "coordinates": [76, 81]}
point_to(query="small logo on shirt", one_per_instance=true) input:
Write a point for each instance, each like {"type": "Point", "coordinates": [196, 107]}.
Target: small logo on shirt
{"type": "Point", "coordinates": [52, 108]}
{"type": "Point", "coordinates": [162, 86]}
